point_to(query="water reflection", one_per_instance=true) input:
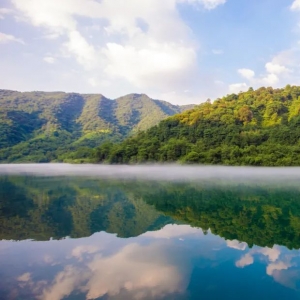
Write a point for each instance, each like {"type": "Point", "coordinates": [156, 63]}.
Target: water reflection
{"type": "Point", "coordinates": [281, 265]}
{"type": "Point", "coordinates": [258, 214]}
{"type": "Point", "coordinates": [176, 262]}
{"type": "Point", "coordinates": [43, 208]}
{"type": "Point", "coordinates": [80, 238]}
{"type": "Point", "coordinates": [101, 265]}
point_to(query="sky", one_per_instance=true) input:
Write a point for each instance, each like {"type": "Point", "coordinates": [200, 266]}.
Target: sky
{"type": "Point", "coordinates": [181, 51]}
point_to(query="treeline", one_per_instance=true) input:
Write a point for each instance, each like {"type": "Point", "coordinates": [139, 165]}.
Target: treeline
{"type": "Point", "coordinates": [39, 209]}
{"type": "Point", "coordinates": [257, 215]}
{"type": "Point", "coordinates": [259, 128]}
{"type": "Point", "coordinates": [57, 126]}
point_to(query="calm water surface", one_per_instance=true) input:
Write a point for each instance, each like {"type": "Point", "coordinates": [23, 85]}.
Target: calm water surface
{"type": "Point", "coordinates": [133, 237]}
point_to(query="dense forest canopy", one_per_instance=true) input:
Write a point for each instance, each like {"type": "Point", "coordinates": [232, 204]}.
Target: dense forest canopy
{"type": "Point", "coordinates": [44, 127]}
{"type": "Point", "coordinates": [257, 127]}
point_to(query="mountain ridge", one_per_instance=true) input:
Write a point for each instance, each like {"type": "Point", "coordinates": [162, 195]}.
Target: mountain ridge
{"type": "Point", "coordinates": [258, 127]}
{"type": "Point", "coordinates": [34, 125]}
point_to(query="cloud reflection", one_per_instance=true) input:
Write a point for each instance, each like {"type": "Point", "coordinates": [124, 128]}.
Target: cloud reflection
{"type": "Point", "coordinates": [24, 277]}
{"type": "Point", "coordinates": [246, 260]}
{"type": "Point", "coordinates": [237, 245]}
{"type": "Point", "coordinates": [81, 250]}
{"type": "Point", "coordinates": [102, 265]}
{"type": "Point", "coordinates": [135, 272]}
{"type": "Point", "coordinates": [141, 271]}
{"type": "Point", "coordinates": [278, 264]}
{"type": "Point", "coordinates": [154, 265]}
{"type": "Point", "coordinates": [271, 253]}
{"type": "Point", "coordinates": [173, 231]}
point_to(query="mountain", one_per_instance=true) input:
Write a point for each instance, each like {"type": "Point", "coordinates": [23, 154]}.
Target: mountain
{"type": "Point", "coordinates": [259, 128]}
{"type": "Point", "coordinates": [43, 208]}
{"type": "Point", "coordinates": [258, 213]}
{"type": "Point", "coordinates": [44, 126]}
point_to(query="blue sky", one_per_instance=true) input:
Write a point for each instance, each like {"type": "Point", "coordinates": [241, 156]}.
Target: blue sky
{"type": "Point", "coordinates": [182, 51]}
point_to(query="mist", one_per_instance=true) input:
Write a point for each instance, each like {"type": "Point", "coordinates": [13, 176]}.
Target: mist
{"type": "Point", "coordinates": [175, 173]}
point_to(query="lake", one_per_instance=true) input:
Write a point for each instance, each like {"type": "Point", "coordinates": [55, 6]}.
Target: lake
{"type": "Point", "coordinates": [149, 232]}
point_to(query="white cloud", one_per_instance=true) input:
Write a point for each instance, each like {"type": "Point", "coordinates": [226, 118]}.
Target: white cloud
{"type": "Point", "coordinates": [277, 266]}
{"type": "Point", "coordinates": [160, 55]}
{"type": "Point", "coordinates": [48, 259]}
{"type": "Point", "coordinates": [172, 231]}
{"type": "Point", "coordinates": [51, 36]}
{"type": "Point", "coordinates": [153, 65]}
{"type": "Point", "coordinates": [276, 68]}
{"type": "Point", "coordinates": [84, 52]}
{"type": "Point", "coordinates": [93, 81]}
{"type": "Point", "coordinates": [140, 271]}
{"type": "Point", "coordinates": [208, 4]}
{"type": "Point", "coordinates": [246, 73]}
{"type": "Point", "coordinates": [211, 4]}
{"type": "Point", "coordinates": [237, 87]}
{"type": "Point", "coordinates": [270, 79]}
{"type": "Point", "coordinates": [49, 59]}
{"type": "Point", "coordinates": [296, 5]}
{"type": "Point", "coordinates": [282, 69]}
{"type": "Point", "coordinates": [24, 277]}
{"type": "Point", "coordinates": [272, 253]}
{"type": "Point", "coordinates": [4, 12]}
{"type": "Point", "coordinates": [246, 260]}
{"type": "Point", "coordinates": [46, 13]}
{"type": "Point", "coordinates": [236, 245]}
{"type": "Point", "coordinates": [79, 251]}
{"type": "Point", "coordinates": [65, 283]}
{"type": "Point", "coordinates": [130, 269]}
{"type": "Point", "coordinates": [7, 38]}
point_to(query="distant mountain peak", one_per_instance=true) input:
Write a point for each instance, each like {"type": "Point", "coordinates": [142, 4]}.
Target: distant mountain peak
{"type": "Point", "coordinates": [33, 125]}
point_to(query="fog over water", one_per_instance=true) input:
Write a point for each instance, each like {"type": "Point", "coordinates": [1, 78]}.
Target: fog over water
{"type": "Point", "coordinates": [149, 232]}
{"type": "Point", "coordinates": [156, 172]}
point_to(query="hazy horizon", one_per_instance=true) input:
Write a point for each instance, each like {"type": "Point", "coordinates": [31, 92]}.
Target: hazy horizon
{"type": "Point", "coordinates": [166, 172]}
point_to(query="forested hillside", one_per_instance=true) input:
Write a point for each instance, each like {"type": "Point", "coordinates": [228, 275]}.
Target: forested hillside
{"type": "Point", "coordinates": [59, 207]}
{"type": "Point", "coordinates": [258, 214]}
{"type": "Point", "coordinates": [259, 128]}
{"type": "Point", "coordinates": [43, 127]}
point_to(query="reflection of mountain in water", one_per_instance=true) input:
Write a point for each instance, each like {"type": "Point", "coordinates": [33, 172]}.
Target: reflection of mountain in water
{"type": "Point", "coordinates": [44, 208]}
{"type": "Point", "coordinates": [260, 215]}
{"type": "Point", "coordinates": [40, 208]}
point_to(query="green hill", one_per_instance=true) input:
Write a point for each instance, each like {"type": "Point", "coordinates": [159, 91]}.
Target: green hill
{"type": "Point", "coordinates": [258, 214]}
{"type": "Point", "coordinates": [43, 208]}
{"type": "Point", "coordinates": [42, 127]}
{"type": "Point", "coordinates": [260, 128]}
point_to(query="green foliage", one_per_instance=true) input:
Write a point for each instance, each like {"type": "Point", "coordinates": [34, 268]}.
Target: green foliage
{"type": "Point", "coordinates": [261, 215]}
{"type": "Point", "coordinates": [43, 127]}
{"type": "Point", "coordinates": [38, 208]}
{"type": "Point", "coordinates": [258, 128]}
